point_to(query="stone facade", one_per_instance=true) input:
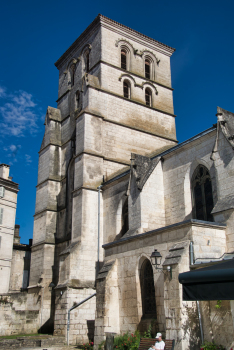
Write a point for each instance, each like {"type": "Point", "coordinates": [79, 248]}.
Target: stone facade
{"type": "Point", "coordinates": [111, 175]}
{"type": "Point", "coordinates": [8, 201]}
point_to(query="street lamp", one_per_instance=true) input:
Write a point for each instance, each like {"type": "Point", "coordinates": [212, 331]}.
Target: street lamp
{"type": "Point", "coordinates": [156, 259]}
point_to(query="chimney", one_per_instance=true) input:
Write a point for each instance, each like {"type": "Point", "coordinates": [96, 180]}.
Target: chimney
{"type": "Point", "coordinates": [4, 171]}
{"type": "Point", "coordinates": [16, 234]}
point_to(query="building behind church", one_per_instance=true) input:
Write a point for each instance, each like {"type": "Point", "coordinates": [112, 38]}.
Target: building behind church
{"type": "Point", "coordinates": [113, 186]}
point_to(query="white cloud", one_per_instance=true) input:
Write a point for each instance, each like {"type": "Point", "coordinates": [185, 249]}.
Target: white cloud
{"type": "Point", "coordinates": [28, 158]}
{"type": "Point", "coordinates": [19, 114]}
{"type": "Point", "coordinates": [2, 92]}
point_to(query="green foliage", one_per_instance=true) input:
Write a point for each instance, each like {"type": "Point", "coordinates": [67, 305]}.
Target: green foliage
{"type": "Point", "coordinates": [212, 346]}
{"type": "Point", "coordinates": [148, 334]}
{"type": "Point", "coordinates": [127, 341]}
{"type": "Point", "coordinates": [218, 305]}
{"type": "Point", "coordinates": [87, 346]}
{"type": "Point", "coordinates": [101, 345]}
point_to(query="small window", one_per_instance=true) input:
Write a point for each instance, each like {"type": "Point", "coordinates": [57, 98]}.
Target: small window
{"type": "Point", "coordinates": [123, 59]}
{"type": "Point", "coordinates": [87, 62]}
{"type": "Point", "coordinates": [148, 97]}
{"type": "Point", "coordinates": [1, 215]}
{"type": "Point", "coordinates": [147, 69]}
{"type": "Point", "coordinates": [126, 89]}
{"type": "Point", "coordinates": [2, 191]}
{"type": "Point", "coordinates": [77, 99]}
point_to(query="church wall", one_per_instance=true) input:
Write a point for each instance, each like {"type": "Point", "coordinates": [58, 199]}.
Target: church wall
{"type": "Point", "coordinates": [113, 200]}
{"type": "Point", "coordinates": [93, 38]}
{"type": "Point", "coordinates": [20, 263]}
{"type": "Point", "coordinates": [129, 113]}
{"type": "Point", "coordinates": [176, 170]}
{"type": "Point", "coordinates": [81, 318]}
{"type": "Point", "coordinates": [112, 80]}
{"type": "Point", "coordinates": [152, 201]}
{"type": "Point", "coordinates": [175, 319]}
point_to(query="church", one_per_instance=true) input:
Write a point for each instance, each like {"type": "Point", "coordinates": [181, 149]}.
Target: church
{"type": "Point", "coordinates": [114, 185]}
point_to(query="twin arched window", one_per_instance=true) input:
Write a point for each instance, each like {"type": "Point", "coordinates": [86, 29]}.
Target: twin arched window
{"type": "Point", "coordinates": [202, 194]}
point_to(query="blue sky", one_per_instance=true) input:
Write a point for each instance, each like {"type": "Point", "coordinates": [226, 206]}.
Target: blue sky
{"type": "Point", "coordinates": [34, 34]}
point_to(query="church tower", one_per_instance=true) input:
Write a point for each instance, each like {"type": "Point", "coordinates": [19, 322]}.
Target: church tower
{"type": "Point", "coordinates": [114, 99]}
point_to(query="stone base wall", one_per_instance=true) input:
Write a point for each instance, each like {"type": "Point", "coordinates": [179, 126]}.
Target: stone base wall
{"type": "Point", "coordinates": [16, 317]}
{"type": "Point", "coordinates": [81, 319]}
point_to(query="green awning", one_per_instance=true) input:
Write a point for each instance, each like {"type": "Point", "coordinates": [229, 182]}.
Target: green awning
{"type": "Point", "coordinates": [214, 282]}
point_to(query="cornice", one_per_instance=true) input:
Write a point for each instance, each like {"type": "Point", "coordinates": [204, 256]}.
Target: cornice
{"type": "Point", "coordinates": [10, 185]}
{"type": "Point", "coordinates": [114, 26]}
{"type": "Point", "coordinates": [191, 222]}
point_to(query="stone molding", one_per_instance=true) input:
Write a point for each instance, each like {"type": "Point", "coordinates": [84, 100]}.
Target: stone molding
{"type": "Point", "coordinates": [191, 222]}
{"type": "Point", "coordinates": [129, 72]}
{"type": "Point", "coordinates": [132, 101]}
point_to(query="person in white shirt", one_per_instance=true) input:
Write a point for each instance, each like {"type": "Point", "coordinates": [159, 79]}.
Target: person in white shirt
{"type": "Point", "coordinates": [159, 345]}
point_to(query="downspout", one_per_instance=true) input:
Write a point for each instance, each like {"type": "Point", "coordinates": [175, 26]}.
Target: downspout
{"type": "Point", "coordinates": [191, 256]}
{"type": "Point", "coordinates": [73, 307]}
{"type": "Point", "coordinates": [98, 252]}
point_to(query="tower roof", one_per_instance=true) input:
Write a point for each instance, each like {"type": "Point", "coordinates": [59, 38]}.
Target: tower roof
{"type": "Point", "coordinates": [112, 25]}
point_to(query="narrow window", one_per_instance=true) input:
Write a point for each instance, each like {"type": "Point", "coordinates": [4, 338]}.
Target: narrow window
{"type": "Point", "coordinates": [72, 73]}
{"type": "Point", "coordinates": [125, 224]}
{"type": "Point", "coordinates": [87, 62]}
{"type": "Point", "coordinates": [147, 290]}
{"type": "Point", "coordinates": [123, 59]}
{"type": "Point", "coordinates": [1, 215]}
{"type": "Point", "coordinates": [77, 99]}
{"type": "Point", "coordinates": [2, 191]}
{"type": "Point", "coordinates": [202, 194]}
{"type": "Point", "coordinates": [126, 89]}
{"type": "Point", "coordinates": [148, 97]}
{"type": "Point", "coordinates": [147, 69]}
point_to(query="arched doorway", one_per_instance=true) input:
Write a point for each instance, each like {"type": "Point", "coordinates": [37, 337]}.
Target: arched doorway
{"type": "Point", "coordinates": [147, 291]}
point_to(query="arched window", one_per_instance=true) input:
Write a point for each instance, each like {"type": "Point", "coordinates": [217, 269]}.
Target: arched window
{"type": "Point", "coordinates": [126, 89]}
{"type": "Point", "coordinates": [147, 69]}
{"type": "Point", "coordinates": [202, 194]}
{"type": "Point", "coordinates": [125, 224]}
{"type": "Point", "coordinates": [124, 59]}
{"type": "Point", "coordinates": [72, 73]}
{"type": "Point", "coordinates": [148, 97]}
{"type": "Point", "coordinates": [87, 62]}
{"type": "Point", "coordinates": [147, 290]}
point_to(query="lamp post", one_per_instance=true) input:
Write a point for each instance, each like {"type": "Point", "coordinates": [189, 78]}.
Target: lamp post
{"type": "Point", "coordinates": [156, 259]}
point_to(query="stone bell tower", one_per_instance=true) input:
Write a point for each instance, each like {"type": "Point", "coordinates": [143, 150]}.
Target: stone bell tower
{"type": "Point", "coordinates": [114, 99]}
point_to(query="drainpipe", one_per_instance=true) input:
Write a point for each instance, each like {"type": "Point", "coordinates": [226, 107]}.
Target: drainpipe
{"type": "Point", "coordinates": [73, 307]}
{"type": "Point", "coordinates": [98, 259]}
{"type": "Point", "coordinates": [191, 256]}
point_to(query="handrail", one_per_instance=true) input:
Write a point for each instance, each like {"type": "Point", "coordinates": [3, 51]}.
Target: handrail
{"type": "Point", "coordinates": [68, 314]}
